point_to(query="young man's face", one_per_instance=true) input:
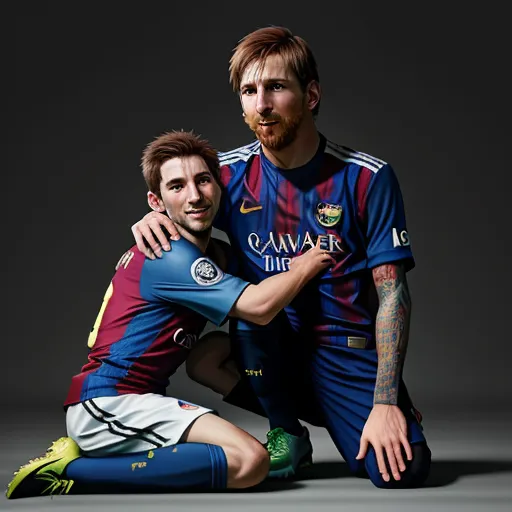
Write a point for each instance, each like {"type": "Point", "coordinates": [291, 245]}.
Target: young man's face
{"type": "Point", "coordinates": [273, 102]}
{"type": "Point", "coordinates": [189, 193]}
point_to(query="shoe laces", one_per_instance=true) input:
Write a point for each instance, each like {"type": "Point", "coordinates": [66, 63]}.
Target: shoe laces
{"type": "Point", "coordinates": [277, 442]}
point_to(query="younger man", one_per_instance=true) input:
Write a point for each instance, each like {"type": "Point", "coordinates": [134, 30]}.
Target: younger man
{"type": "Point", "coordinates": [117, 415]}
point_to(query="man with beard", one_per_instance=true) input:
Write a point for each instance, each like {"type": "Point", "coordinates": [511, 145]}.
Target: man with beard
{"type": "Point", "coordinates": [335, 357]}
{"type": "Point", "coordinates": [117, 413]}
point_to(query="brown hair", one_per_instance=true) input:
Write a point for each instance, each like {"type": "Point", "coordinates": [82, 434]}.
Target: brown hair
{"type": "Point", "coordinates": [175, 144]}
{"type": "Point", "coordinates": [261, 43]}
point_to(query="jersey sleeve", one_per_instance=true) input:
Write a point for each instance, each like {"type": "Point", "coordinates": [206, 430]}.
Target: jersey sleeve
{"type": "Point", "coordinates": [186, 277]}
{"type": "Point", "coordinates": [387, 236]}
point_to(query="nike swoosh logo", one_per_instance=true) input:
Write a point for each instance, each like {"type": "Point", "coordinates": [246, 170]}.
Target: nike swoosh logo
{"type": "Point", "coordinates": [245, 210]}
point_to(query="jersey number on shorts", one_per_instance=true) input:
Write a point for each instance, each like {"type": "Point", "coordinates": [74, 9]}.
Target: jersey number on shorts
{"type": "Point", "coordinates": [94, 332]}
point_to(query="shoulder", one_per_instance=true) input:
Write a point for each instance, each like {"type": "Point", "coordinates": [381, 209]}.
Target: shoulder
{"type": "Point", "coordinates": [357, 158]}
{"type": "Point", "coordinates": [239, 155]}
{"type": "Point", "coordinates": [183, 265]}
{"type": "Point", "coordinates": [182, 253]}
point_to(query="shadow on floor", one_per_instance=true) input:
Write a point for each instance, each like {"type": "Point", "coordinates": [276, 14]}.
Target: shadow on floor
{"type": "Point", "coordinates": [442, 473]}
{"type": "Point", "coordinates": [446, 472]}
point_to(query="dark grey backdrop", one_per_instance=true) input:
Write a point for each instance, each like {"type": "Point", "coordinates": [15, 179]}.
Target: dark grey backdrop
{"type": "Point", "coordinates": [422, 86]}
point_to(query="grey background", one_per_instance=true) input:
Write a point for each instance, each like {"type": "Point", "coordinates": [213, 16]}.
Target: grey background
{"type": "Point", "coordinates": [421, 85]}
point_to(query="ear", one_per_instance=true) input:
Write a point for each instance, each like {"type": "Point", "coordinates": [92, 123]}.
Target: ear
{"type": "Point", "coordinates": [155, 203]}
{"type": "Point", "coordinates": [241, 103]}
{"type": "Point", "coordinates": [313, 94]}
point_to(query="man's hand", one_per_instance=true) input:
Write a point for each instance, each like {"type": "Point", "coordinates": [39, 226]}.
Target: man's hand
{"type": "Point", "coordinates": [313, 261]}
{"type": "Point", "coordinates": [148, 228]}
{"type": "Point", "coordinates": [386, 431]}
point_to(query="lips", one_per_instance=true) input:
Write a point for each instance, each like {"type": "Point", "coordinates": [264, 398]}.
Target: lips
{"type": "Point", "coordinates": [198, 212]}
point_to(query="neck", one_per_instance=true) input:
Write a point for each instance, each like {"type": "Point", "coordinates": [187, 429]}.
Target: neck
{"type": "Point", "coordinates": [200, 240]}
{"type": "Point", "coordinates": [300, 151]}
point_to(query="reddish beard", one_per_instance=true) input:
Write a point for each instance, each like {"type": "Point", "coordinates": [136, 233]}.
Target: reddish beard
{"type": "Point", "coordinates": [286, 129]}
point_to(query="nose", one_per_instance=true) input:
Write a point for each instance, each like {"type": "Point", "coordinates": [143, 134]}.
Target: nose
{"type": "Point", "coordinates": [263, 103]}
{"type": "Point", "coordinates": [194, 195]}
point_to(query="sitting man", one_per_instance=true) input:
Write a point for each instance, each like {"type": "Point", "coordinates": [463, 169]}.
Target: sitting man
{"type": "Point", "coordinates": [133, 436]}
{"type": "Point", "coordinates": [335, 357]}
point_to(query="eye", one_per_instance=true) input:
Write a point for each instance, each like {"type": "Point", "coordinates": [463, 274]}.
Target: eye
{"type": "Point", "coordinates": [248, 91]}
{"type": "Point", "coordinates": [204, 179]}
{"type": "Point", "coordinates": [277, 87]}
{"type": "Point", "coordinates": [175, 188]}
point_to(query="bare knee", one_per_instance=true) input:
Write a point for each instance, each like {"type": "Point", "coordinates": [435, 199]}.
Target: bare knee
{"type": "Point", "coordinates": [207, 363]}
{"type": "Point", "coordinates": [207, 355]}
{"type": "Point", "coordinates": [247, 460]}
{"type": "Point", "coordinates": [195, 368]}
{"type": "Point", "coordinates": [248, 464]}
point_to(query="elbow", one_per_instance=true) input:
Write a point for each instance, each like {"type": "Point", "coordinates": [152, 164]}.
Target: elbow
{"type": "Point", "coordinates": [263, 315]}
{"type": "Point", "coordinates": [262, 320]}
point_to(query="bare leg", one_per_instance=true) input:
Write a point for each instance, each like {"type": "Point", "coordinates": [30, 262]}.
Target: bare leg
{"type": "Point", "coordinates": [209, 364]}
{"type": "Point", "coordinates": [248, 461]}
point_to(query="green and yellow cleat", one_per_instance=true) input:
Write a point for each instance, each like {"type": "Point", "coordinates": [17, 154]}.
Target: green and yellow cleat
{"type": "Point", "coordinates": [288, 453]}
{"type": "Point", "coordinates": [43, 476]}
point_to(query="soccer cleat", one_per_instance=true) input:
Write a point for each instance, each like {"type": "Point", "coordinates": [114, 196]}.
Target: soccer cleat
{"type": "Point", "coordinates": [287, 452]}
{"type": "Point", "coordinates": [43, 476]}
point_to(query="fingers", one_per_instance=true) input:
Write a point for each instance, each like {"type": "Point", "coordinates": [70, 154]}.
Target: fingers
{"type": "Point", "coordinates": [171, 228]}
{"type": "Point", "coordinates": [381, 463]}
{"type": "Point", "coordinates": [149, 240]}
{"type": "Point", "coordinates": [397, 450]}
{"type": "Point", "coordinates": [407, 447]}
{"type": "Point", "coordinates": [402, 434]}
{"type": "Point", "coordinates": [157, 231]}
{"type": "Point", "coordinates": [150, 237]}
{"type": "Point", "coordinates": [394, 445]}
{"type": "Point", "coordinates": [139, 240]}
{"type": "Point", "coordinates": [329, 259]}
{"type": "Point", "coordinates": [386, 431]}
{"type": "Point", "coordinates": [381, 454]}
{"type": "Point", "coordinates": [395, 459]}
{"type": "Point", "coordinates": [157, 222]}
{"type": "Point", "coordinates": [395, 455]}
{"type": "Point", "coordinates": [323, 254]}
{"type": "Point", "coordinates": [363, 448]}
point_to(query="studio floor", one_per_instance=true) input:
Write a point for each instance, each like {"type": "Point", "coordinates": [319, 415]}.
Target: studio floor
{"type": "Point", "coordinates": [471, 471]}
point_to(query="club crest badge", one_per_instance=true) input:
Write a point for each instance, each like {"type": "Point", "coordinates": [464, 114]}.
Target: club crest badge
{"type": "Point", "coordinates": [328, 215]}
{"type": "Point", "coordinates": [205, 272]}
{"type": "Point", "coordinates": [187, 405]}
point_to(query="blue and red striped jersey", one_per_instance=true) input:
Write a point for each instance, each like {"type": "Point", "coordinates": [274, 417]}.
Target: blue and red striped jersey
{"type": "Point", "coordinates": [349, 199]}
{"type": "Point", "coordinates": [151, 316]}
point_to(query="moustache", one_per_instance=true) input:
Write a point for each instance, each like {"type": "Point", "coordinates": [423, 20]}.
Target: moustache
{"type": "Point", "coordinates": [266, 119]}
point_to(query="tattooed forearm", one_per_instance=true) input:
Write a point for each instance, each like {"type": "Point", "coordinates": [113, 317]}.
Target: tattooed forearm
{"type": "Point", "coordinates": [392, 330]}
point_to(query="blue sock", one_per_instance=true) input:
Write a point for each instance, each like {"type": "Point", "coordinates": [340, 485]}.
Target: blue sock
{"type": "Point", "coordinates": [185, 466]}
{"type": "Point", "coordinates": [264, 366]}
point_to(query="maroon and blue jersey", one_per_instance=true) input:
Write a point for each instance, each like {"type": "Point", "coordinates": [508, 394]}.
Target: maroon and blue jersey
{"type": "Point", "coordinates": [351, 200]}
{"type": "Point", "coordinates": [152, 313]}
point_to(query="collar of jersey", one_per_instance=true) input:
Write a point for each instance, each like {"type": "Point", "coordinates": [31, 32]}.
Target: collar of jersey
{"type": "Point", "coordinates": [300, 176]}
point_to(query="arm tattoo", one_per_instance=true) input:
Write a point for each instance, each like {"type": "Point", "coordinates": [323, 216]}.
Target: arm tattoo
{"type": "Point", "coordinates": [391, 330]}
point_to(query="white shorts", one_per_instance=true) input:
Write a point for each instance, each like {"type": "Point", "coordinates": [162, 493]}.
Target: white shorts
{"type": "Point", "coordinates": [129, 423]}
